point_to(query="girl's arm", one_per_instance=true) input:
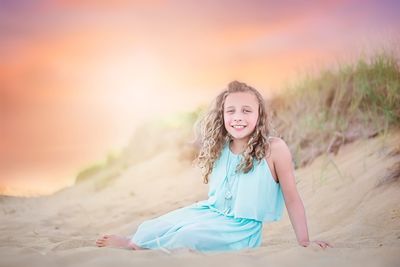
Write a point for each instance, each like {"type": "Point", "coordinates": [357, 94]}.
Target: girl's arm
{"type": "Point", "coordinates": [283, 163]}
{"type": "Point", "coordinates": [282, 159]}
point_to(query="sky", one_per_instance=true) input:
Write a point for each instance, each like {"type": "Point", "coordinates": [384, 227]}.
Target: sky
{"type": "Point", "coordinates": [77, 77]}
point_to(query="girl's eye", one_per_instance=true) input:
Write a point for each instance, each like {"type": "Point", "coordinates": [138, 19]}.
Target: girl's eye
{"type": "Point", "coordinates": [229, 111]}
{"type": "Point", "coordinates": [246, 111]}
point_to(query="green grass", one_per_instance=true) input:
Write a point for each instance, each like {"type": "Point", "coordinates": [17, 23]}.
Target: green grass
{"type": "Point", "coordinates": [359, 99]}
{"type": "Point", "coordinates": [89, 171]}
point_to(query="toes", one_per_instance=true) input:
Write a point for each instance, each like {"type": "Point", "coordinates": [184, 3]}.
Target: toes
{"type": "Point", "coordinates": [104, 237]}
{"type": "Point", "coordinates": [100, 242]}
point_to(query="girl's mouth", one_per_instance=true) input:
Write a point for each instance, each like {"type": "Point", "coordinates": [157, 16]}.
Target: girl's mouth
{"type": "Point", "coordinates": [238, 127]}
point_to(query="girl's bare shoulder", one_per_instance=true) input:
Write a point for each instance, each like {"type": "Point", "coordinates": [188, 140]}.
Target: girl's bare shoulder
{"type": "Point", "coordinates": [277, 146]}
{"type": "Point", "coordinates": [274, 139]}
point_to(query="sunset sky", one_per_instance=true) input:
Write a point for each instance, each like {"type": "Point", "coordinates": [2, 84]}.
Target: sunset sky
{"type": "Point", "coordinates": [77, 77]}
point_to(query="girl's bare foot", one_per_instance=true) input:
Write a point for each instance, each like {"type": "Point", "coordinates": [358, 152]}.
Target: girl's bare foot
{"type": "Point", "coordinates": [116, 242]}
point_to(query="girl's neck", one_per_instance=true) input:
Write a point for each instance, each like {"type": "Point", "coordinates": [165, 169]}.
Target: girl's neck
{"type": "Point", "coordinates": [238, 146]}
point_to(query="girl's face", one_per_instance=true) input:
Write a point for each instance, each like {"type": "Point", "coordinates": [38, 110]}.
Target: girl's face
{"type": "Point", "coordinates": [240, 114]}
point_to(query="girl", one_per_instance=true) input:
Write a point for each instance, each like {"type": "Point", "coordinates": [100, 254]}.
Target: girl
{"type": "Point", "coordinates": [251, 179]}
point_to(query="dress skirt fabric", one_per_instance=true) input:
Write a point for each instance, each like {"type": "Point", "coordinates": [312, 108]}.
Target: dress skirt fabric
{"type": "Point", "coordinates": [198, 227]}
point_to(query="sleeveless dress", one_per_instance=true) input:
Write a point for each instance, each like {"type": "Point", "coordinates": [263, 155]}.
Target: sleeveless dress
{"type": "Point", "coordinates": [230, 219]}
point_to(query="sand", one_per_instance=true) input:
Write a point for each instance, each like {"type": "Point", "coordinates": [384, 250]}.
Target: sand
{"type": "Point", "coordinates": [351, 201]}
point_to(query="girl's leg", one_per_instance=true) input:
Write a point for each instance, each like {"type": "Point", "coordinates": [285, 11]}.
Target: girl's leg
{"type": "Point", "coordinates": [148, 231]}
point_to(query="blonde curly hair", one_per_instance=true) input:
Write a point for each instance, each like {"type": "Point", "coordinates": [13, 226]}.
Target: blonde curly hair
{"type": "Point", "coordinates": [211, 134]}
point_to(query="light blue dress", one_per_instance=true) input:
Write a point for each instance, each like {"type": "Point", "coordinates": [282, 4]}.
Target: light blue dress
{"type": "Point", "coordinates": [230, 219]}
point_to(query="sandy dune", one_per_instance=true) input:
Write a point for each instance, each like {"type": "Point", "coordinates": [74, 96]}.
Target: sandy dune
{"type": "Point", "coordinates": [352, 200]}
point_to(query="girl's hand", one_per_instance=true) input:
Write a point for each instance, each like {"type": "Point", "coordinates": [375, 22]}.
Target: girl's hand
{"type": "Point", "coordinates": [322, 244]}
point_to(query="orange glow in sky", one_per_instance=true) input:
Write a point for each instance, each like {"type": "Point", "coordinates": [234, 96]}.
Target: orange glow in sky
{"type": "Point", "coordinates": [77, 77]}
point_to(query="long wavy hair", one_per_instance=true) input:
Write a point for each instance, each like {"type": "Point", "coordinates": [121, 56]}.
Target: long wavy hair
{"type": "Point", "coordinates": [211, 134]}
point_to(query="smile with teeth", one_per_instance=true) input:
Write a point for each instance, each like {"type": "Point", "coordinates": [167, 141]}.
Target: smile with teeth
{"type": "Point", "coordinates": [238, 126]}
